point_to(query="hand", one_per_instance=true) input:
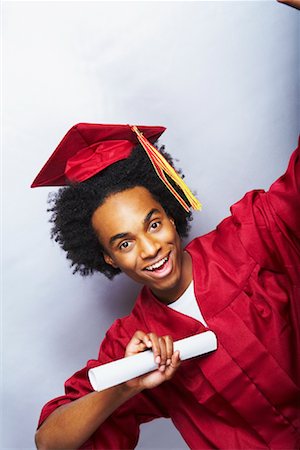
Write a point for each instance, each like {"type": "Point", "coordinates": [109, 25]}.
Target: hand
{"type": "Point", "coordinates": [293, 3]}
{"type": "Point", "coordinates": [166, 359]}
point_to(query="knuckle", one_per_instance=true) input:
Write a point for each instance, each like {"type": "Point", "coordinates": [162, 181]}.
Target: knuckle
{"type": "Point", "coordinates": [168, 337]}
{"type": "Point", "coordinates": [139, 333]}
{"type": "Point", "coordinates": [152, 335]}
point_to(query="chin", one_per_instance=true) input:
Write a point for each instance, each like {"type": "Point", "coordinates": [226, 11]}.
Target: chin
{"type": "Point", "coordinates": [167, 286]}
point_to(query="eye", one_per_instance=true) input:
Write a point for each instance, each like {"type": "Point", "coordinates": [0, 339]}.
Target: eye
{"type": "Point", "coordinates": [124, 245]}
{"type": "Point", "coordinates": [155, 225]}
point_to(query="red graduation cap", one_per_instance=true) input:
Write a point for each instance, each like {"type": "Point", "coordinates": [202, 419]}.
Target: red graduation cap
{"type": "Point", "coordinates": [88, 148]}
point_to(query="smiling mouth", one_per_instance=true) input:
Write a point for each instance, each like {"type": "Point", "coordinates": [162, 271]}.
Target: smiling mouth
{"type": "Point", "coordinates": [159, 265]}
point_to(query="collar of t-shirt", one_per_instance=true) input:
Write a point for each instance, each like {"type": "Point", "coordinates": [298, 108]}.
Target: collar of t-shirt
{"type": "Point", "coordinates": [187, 304]}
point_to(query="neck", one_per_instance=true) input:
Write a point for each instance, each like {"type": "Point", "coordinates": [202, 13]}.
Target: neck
{"type": "Point", "coordinates": [172, 294]}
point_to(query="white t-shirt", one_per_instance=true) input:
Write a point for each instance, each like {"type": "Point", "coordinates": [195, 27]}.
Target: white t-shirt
{"type": "Point", "coordinates": [187, 304]}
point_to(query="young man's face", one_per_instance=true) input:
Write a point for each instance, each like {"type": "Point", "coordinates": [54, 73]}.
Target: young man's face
{"type": "Point", "coordinates": [141, 240]}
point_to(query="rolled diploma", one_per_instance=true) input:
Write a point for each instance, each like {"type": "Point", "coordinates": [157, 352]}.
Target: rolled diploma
{"type": "Point", "coordinates": [121, 370]}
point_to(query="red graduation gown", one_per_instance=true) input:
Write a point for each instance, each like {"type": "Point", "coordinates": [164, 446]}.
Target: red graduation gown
{"type": "Point", "coordinates": [246, 394]}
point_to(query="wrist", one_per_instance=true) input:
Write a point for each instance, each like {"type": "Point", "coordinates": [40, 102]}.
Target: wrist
{"type": "Point", "coordinates": [130, 388]}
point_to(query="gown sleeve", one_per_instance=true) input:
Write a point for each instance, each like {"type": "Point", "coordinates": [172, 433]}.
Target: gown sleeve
{"type": "Point", "coordinates": [284, 196]}
{"type": "Point", "coordinates": [268, 227]}
{"type": "Point", "coordinates": [268, 223]}
{"type": "Point", "coordinates": [121, 429]}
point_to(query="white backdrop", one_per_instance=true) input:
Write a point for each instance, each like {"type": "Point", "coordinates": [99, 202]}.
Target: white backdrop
{"type": "Point", "coordinates": [222, 76]}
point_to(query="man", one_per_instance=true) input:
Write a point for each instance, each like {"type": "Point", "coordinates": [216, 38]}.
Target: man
{"type": "Point", "coordinates": [125, 210]}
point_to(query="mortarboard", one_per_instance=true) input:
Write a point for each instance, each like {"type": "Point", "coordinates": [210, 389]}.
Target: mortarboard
{"type": "Point", "coordinates": [88, 149]}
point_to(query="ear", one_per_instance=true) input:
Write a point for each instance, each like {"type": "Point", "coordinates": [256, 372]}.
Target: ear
{"type": "Point", "coordinates": [108, 259]}
{"type": "Point", "coordinates": [172, 222]}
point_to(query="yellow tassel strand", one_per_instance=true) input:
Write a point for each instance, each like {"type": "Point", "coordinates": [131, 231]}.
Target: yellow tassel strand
{"type": "Point", "coordinates": [162, 167]}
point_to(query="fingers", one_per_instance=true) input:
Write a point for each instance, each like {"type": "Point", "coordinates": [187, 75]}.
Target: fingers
{"type": "Point", "coordinates": [173, 366]}
{"type": "Point", "coordinates": [175, 360]}
{"type": "Point", "coordinates": [170, 349]}
{"type": "Point", "coordinates": [162, 347]}
{"type": "Point", "coordinates": [139, 342]}
{"type": "Point", "coordinates": [166, 359]}
{"type": "Point", "coordinates": [140, 337]}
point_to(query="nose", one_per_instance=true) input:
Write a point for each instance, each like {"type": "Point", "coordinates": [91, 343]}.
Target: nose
{"type": "Point", "coordinates": [149, 247]}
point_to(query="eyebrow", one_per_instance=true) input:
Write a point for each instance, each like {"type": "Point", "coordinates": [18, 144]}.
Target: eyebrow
{"type": "Point", "coordinates": [117, 236]}
{"type": "Point", "coordinates": [125, 234]}
{"type": "Point", "coordinates": [150, 214]}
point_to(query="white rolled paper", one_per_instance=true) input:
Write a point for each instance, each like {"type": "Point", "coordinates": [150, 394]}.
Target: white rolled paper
{"type": "Point", "coordinates": [121, 370]}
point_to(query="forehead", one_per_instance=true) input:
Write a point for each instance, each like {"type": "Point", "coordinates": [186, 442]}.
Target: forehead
{"type": "Point", "coordinates": [123, 211]}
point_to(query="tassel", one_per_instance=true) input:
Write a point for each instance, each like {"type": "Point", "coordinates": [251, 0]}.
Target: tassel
{"type": "Point", "coordinates": [162, 167]}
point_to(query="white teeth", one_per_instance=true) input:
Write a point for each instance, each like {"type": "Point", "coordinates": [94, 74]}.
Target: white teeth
{"type": "Point", "coordinates": [158, 264]}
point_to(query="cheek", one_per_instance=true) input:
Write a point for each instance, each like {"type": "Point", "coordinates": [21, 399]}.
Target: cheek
{"type": "Point", "coordinates": [127, 261]}
{"type": "Point", "coordinates": [171, 234]}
